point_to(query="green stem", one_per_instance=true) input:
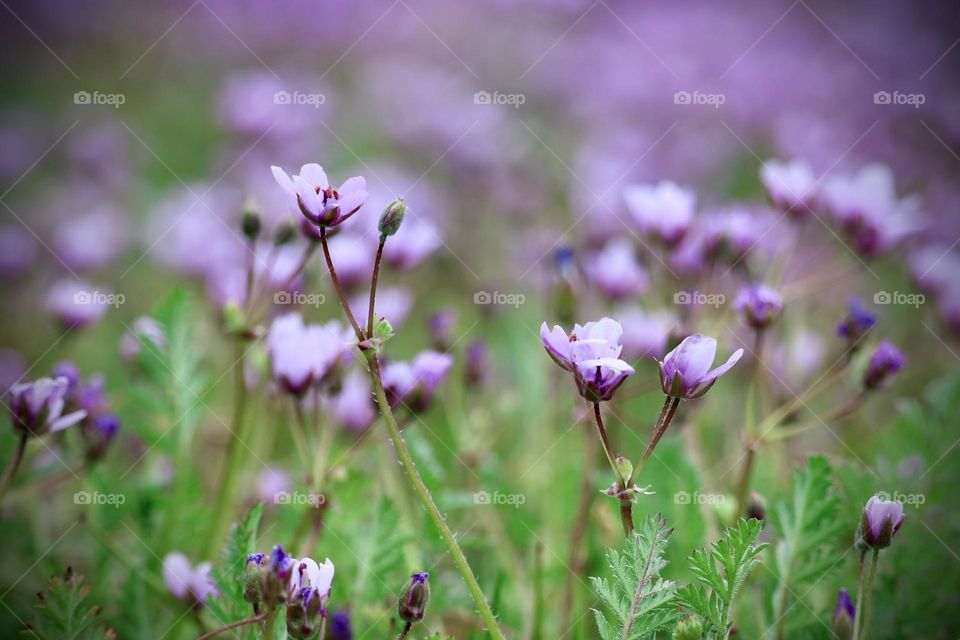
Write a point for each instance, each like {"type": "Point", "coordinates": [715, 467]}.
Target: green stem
{"type": "Point", "coordinates": [13, 465]}
{"type": "Point", "coordinates": [659, 430]}
{"type": "Point", "coordinates": [743, 487]}
{"type": "Point", "coordinates": [232, 625]}
{"type": "Point", "coordinates": [626, 503]}
{"type": "Point", "coordinates": [337, 286]}
{"type": "Point", "coordinates": [868, 595]}
{"type": "Point", "coordinates": [424, 495]}
{"type": "Point", "coordinates": [404, 631]}
{"type": "Point", "coordinates": [235, 455]}
{"type": "Point", "coordinates": [268, 624]}
{"type": "Point", "coordinates": [858, 609]}
{"type": "Point", "coordinates": [373, 285]}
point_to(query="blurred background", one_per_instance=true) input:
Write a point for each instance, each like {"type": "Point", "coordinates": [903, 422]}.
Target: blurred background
{"type": "Point", "coordinates": [132, 136]}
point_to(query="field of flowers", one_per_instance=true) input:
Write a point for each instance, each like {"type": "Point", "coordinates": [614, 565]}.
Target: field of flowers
{"type": "Point", "coordinates": [541, 320]}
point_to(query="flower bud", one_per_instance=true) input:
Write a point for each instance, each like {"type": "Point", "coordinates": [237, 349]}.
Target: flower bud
{"type": "Point", "coordinates": [276, 583]}
{"type": "Point", "coordinates": [391, 218]}
{"type": "Point", "coordinates": [843, 616]}
{"type": "Point", "coordinates": [97, 434]}
{"type": "Point", "coordinates": [689, 628]}
{"type": "Point", "coordinates": [624, 467]}
{"type": "Point", "coordinates": [250, 223]}
{"type": "Point", "coordinates": [284, 233]}
{"type": "Point", "coordinates": [856, 324]}
{"type": "Point", "coordinates": [881, 519]}
{"type": "Point", "coordinates": [756, 507]}
{"type": "Point", "coordinates": [413, 600]}
{"type": "Point", "coordinates": [340, 628]}
{"type": "Point", "coordinates": [254, 578]}
{"type": "Point", "coordinates": [305, 614]}
{"type": "Point", "coordinates": [885, 361]}
{"type": "Point", "coordinates": [758, 306]}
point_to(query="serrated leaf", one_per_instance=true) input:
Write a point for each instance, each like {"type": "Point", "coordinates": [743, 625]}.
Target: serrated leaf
{"type": "Point", "coordinates": [638, 601]}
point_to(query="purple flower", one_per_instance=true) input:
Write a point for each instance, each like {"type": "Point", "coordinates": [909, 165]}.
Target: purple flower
{"type": "Point", "coordinates": [758, 305]}
{"type": "Point", "coordinates": [340, 626]}
{"type": "Point", "coordinates": [645, 334]}
{"type": "Point", "coordinates": [18, 250]}
{"type": "Point", "coordinates": [844, 614]}
{"type": "Point", "coordinates": [353, 407]}
{"type": "Point", "coordinates": [867, 208]}
{"type": "Point", "coordinates": [685, 372]}
{"type": "Point", "coordinates": [441, 325]}
{"type": "Point", "coordinates": [143, 330]}
{"type": "Point", "coordinates": [664, 210]}
{"type": "Point", "coordinates": [310, 193]}
{"type": "Point", "coordinates": [310, 579]}
{"type": "Point", "coordinates": [187, 582]}
{"type": "Point", "coordinates": [885, 361]}
{"type": "Point", "coordinates": [413, 383]}
{"type": "Point", "coordinates": [37, 407]}
{"type": "Point", "coordinates": [592, 353]}
{"type": "Point", "coordinates": [790, 185]}
{"type": "Point", "coordinates": [477, 365]}
{"type": "Point", "coordinates": [270, 482]}
{"type": "Point", "coordinates": [97, 434]}
{"type": "Point", "coordinates": [615, 270]}
{"type": "Point", "coordinates": [881, 519]}
{"type": "Point", "coordinates": [858, 321]}
{"type": "Point", "coordinates": [93, 239]}
{"type": "Point", "coordinates": [76, 303]}
{"type": "Point", "coordinates": [303, 355]}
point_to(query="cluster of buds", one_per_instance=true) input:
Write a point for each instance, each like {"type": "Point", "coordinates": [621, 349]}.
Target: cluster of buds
{"type": "Point", "coordinates": [302, 586]}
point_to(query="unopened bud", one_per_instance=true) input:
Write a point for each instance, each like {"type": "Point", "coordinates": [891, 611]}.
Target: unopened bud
{"type": "Point", "coordinates": [391, 218]}
{"type": "Point", "coordinates": [251, 222]}
{"type": "Point", "coordinates": [689, 628]}
{"type": "Point", "coordinates": [284, 232]}
{"type": "Point", "coordinates": [413, 600]}
{"type": "Point", "coordinates": [756, 507]}
{"type": "Point", "coordinates": [843, 616]}
{"type": "Point", "coordinates": [254, 574]}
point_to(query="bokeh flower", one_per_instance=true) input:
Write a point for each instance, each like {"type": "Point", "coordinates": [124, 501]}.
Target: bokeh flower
{"type": "Point", "coordinates": [791, 186]}
{"type": "Point", "coordinates": [664, 210]}
{"type": "Point", "coordinates": [885, 361]}
{"type": "Point", "coordinates": [187, 582]}
{"type": "Point", "coordinates": [303, 355]}
{"type": "Point", "coordinates": [615, 271]}
{"type": "Point", "coordinates": [758, 305]}
{"type": "Point", "coordinates": [37, 407]}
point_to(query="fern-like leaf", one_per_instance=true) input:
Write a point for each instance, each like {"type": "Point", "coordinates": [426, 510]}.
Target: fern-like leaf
{"type": "Point", "coordinates": [62, 615]}
{"type": "Point", "coordinates": [230, 605]}
{"type": "Point", "coordinates": [807, 528]}
{"type": "Point", "coordinates": [721, 572]}
{"type": "Point", "coordinates": [639, 601]}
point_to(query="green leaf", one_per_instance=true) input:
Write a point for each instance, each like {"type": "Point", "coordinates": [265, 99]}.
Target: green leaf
{"type": "Point", "coordinates": [807, 526]}
{"type": "Point", "coordinates": [721, 571]}
{"type": "Point", "coordinates": [62, 615]}
{"type": "Point", "coordinates": [640, 603]}
{"type": "Point", "coordinates": [241, 541]}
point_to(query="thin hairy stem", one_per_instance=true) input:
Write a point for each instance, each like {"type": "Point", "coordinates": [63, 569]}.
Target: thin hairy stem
{"type": "Point", "coordinates": [337, 286]}
{"type": "Point", "coordinates": [232, 625]}
{"type": "Point", "coordinates": [858, 609]}
{"type": "Point", "coordinates": [626, 503]}
{"type": "Point", "coordinates": [373, 285]}
{"type": "Point", "coordinates": [13, 465]}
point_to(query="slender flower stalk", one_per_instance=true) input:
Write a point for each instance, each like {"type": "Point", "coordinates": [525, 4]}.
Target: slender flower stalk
{"type": "Point", "coordinates": [624, 493]}
{"type": "Point", "coordinates": [373, 285]}
{"type": "Point", "coordinates": [338, 287]}
{"type": "Point", "coordinates": [423, 494]}
{"type": "Point", "coordinates": [13, 465]}
{"type": "Point", "coordinates": [232, 625]}
{"type": "Point", "coordinates": [236, 453]}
